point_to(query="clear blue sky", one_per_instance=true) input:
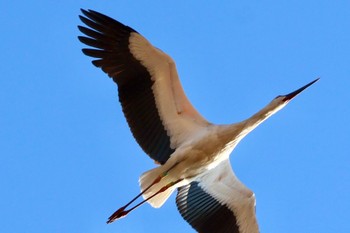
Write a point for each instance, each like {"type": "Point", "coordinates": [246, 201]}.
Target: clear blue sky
{"type": "Point", "coordinates": [68, 159]}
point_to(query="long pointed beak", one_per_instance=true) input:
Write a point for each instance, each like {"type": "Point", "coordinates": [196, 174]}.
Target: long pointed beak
{"type": "Point", "coordinates": [295, 93]}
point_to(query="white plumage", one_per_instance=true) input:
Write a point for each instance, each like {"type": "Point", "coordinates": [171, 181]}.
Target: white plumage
{"type": "Point", "coordinates": [193, 153]}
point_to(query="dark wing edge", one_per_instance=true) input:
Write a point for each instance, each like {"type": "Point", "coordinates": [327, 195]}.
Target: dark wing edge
{"type": "Point", "coordinates": [109, 40]}
{"type": "Point", "coordinates": [203, 212]}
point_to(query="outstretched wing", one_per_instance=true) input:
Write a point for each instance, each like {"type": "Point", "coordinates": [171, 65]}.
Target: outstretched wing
{"type": "Point", "coordinates": [153, 101]}
{"type": "Point", "coordinates": [218, 202]}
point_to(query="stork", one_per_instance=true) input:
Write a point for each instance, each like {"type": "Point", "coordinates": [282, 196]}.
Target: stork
{"type": "Point", "coordinates": [192, 153]}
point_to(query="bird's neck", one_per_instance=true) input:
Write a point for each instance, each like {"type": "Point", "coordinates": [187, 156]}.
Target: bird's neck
{"type": "Point", "coordinates": [235, 132]}
{"type": "Point", "coordinates": [259, 117]}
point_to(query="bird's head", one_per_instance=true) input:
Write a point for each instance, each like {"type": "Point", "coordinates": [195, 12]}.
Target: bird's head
{"type": "Point", "coordinates": [282, 100]}
{"type": "Point", "coordinates": [277, 104]}
{"type": "Point", "coordinates": [286, 98]}
{"type": "Point", "coordinates": [274, 106]}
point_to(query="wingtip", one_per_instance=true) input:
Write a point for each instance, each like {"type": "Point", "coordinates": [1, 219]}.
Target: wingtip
{"type": "Point", "coordinates": [84, 11]}
{"type": "Point", "coordinates": [81, 28]}
{"type": "Point", "coordinates": [88, 12]}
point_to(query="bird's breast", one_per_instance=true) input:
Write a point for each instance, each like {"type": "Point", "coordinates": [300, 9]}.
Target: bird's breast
{"type": "Point", "coordinates": [201, 155]}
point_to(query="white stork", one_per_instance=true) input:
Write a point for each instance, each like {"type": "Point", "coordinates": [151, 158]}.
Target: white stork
{"type": "Point", "coordinates": [193, 153]}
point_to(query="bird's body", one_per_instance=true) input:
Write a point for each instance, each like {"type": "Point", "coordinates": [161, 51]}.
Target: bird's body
{"type": "Point", "coordinates": [193, 153]}
{"type": "Point", "coordinates": [208, 148]}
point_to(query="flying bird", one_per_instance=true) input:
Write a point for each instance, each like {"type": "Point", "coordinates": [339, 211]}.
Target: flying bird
{"type": "Point", "coordinates": [192, 153]}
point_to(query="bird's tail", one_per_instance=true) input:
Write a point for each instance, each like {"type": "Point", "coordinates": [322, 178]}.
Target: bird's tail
{"type": "Point", "coordinates": [147, 178]}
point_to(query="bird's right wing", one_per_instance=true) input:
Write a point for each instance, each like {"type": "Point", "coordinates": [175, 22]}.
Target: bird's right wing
{"type": "Point", "coordinates": [218, 202]}
{"type": "Point", "coordinates": [157, 110]}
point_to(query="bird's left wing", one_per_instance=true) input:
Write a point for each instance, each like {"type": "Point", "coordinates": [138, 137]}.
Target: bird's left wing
{"type": "Point", "coordinates": [218, 202]}
{"type": "Point", "coordinates": [156, 108]}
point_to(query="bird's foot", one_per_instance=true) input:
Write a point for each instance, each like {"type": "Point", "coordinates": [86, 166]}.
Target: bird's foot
{"type": "Point", "coordinates": [120, 213]}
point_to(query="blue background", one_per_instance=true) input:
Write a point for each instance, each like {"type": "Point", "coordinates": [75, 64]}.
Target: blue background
{"type": "Point", "coordinates": [68, 159]}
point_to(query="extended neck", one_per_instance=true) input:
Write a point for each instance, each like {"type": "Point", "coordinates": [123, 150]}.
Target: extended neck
{"type": "Point", "coordinates": [232, 134]}
{"type": "Point", "coordinates": [259, 117]}
{"type": "Point", "coordinates": [235, 132]}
